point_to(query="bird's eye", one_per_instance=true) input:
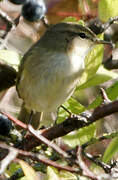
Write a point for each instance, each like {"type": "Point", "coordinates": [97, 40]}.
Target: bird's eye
{"type": "Point", "coordinates": [82, 35]}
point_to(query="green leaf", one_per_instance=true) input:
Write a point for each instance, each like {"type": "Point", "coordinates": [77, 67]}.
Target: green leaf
{"type": "Point", "coordinates": [112, 93]}
{"type": "Point", "coordinates": [74, 19]}
{"type": "Point", "coordinates": [53, 173]}
{"type": "Point", "coordinates": [70, 19]}
{"type": "Point", "coordinates": [62, 115]}
{"type": "Point", "coordinates": [28, 171]}
{"type": "Point", "coordinates": [92, 63]}
{"type": "Point", "coordinates": [93, 59]}
{"type": "Point", "coordinates": [73, 106]}
{"type": "Point", "coordinates": [10, 57]}
{"type": "Point", "coordinates": [107, 9]}
{"type": "Point", "coordinates": [65, 175]}
{"type": "Point", "coordinates": [81, 136]}
{"type": "Point", "coordinates": [13, 167]}
{"type": "Point", "coordinates": [101, 76]}
{"type": "Point", "coordinates": [111, 150]}
{"type": "Point", "coordinates": [81, 22]}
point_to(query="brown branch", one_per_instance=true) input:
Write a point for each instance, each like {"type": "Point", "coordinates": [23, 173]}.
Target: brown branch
{"type": "Point", "coordinates": [104, 110]}
{"type": "Point", "coordinates": [83, 166]}
{"type": "Point", "coordinates": [9, 157]}
{"type": "Point", "coordinates": [40, 158]}
{"type": "Point", "coordinates": [13, 153]}
{"type": "Point", "coordinates": [8, 21]}
{"type": "Point", "coordinates": [44, 140]}
{"type": "Point", "coordinates": [106, 167]}
{"type": "Point", "coordinates": [16, 121]}
{"type": "Point", "coordinates": [105, 98]}
{"type": "Point", "coordinates": [71, 124]}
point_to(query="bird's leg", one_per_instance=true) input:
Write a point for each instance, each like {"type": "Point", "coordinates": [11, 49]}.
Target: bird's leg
{"type": "Point", "coordinates": [33, 117]}
{"type": "Point", "coordinates": [40, 118]}
{"type": "Point", "coordinates": [30, 117]}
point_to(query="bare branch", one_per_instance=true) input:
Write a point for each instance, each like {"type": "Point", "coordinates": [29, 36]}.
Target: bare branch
{"type": "Point", "coordinates": [47, 142]}
{"type": "Point", "coordinates": [83, 166]}
{"type": "Point", "coordinates": [13, 152]}
{"type": "Point", "coordinates": [71, 124]}
{"type": "Point", "coordinates": [7, 160]}
{"type": "Point", "coordinates": [104, 96]}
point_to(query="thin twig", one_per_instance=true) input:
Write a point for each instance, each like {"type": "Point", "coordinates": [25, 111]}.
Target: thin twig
{"type": "Point", "coordinates": [8, 20]}
{"type": "Point", "coordinates": [70, 124]}
{"type": "Point", "coordinates": [7, 160]}
{"type": "Point", "coordinates": [33, 156]}
{"type": "Point", "coordinates": [47, 142]}
{"type": "Point", "coordinates": [83, 166]}
{"type": "Point", "coordinates": [70, 114]}
{"type": "Point", "coordinates": [105, 98]}
{"type": "Point", "coordinates": [16, 121]}
{"type": "Point", "coordinates": [106, 167]}
{"type": "Point", "coordinates": [108, 24]}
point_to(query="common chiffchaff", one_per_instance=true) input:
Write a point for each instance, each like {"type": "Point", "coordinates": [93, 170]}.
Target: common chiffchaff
{"type": "Point", "coordinates": [50, 70]}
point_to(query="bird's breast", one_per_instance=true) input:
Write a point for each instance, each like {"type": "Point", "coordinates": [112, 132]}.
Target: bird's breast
{"type": "Point", "coordinates": [51, 80]}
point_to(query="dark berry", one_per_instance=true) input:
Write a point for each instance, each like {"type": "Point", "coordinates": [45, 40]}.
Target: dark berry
{"type": "Point", "coordinates": [33, 10]}
{"type": "Point", "coordinates": [5, 125]}
{"type": "Point", "coordinates": [18, 2]}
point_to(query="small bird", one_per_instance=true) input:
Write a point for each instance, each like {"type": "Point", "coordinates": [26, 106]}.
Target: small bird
{"type": "Point", "coordinates": [50, 70]}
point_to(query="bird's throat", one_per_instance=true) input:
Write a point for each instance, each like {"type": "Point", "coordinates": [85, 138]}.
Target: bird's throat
{"type": "Point", "coordinates": [77, 52]}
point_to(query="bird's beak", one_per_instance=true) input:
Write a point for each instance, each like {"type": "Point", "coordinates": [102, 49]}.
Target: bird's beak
{"type": "Point", "coordinates": [100, 41]}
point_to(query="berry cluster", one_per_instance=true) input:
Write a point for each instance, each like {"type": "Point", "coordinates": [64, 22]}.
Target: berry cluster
{"type": "Point", "coordinates": [5, 125]}
{"type": "Point", "coordinates": [32, 10]}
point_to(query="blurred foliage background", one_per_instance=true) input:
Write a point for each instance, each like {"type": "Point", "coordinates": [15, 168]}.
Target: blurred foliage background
{"type": "Point", "coordinates": [21, 38]}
